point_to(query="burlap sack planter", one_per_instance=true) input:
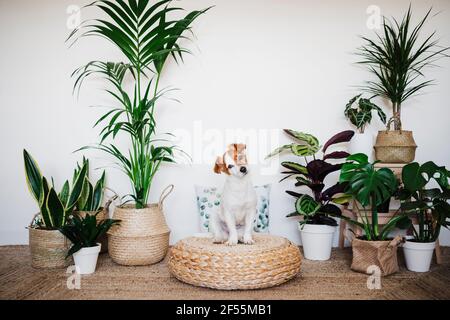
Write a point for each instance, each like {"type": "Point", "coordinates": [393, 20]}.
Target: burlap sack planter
{"type": "Point", "coordinates": [382, 254]}
{"type": "Point", "coordinates": [49, 249]}
{"type": "Point", "coordinates": [395, 146]}
{"type": "Point", "coordinates": [102, 215]}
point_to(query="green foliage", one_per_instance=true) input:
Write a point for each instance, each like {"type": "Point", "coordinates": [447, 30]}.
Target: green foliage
{"type": "Point", "coordinates": [370, 187]}
{"type": "Point", "coordinates": [91, 196]}
{"type": "Point", "coordinates": [319, 208]}
{"type": "Point", "coordinates": [398, 58]}
{"type": "Point", "coordinates": [54, 208]}
{"type": "Point", "coordinates": [361, 114]}
{"type": "Point", "coordinates": [85, 232]}
{"type": "Point", "coordinates": [428, 204]}
{"type": "Point", "coordinates": [146, 35]}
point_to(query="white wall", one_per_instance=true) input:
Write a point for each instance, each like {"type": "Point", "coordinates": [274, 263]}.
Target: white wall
{"type": "Point", "coordinates": [262, 65]}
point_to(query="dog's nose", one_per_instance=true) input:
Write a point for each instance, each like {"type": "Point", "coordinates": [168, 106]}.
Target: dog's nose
{"type": "Point", "coordinates": [243, 169]}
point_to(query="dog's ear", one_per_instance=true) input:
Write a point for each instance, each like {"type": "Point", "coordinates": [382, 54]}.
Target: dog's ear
{"type": "Point", "coordinates": [219, 165]}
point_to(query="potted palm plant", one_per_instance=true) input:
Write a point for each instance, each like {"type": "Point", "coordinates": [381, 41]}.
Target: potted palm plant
{"type": "Point", "coordinates": [317, 227]}
{"type": "Point", "coordinates": [371, 187]}
{"type": "Point", "coordinates": [146, 35]}
{"type": "Point", "coordinates": [398, 59]}
{"type": "Point", "coordinates": [426, 204]}
{"type": "Point", "coordinates": [84, 233]}
{"type": "Point", "coordinates": [359, 112]}
{"type": "Point", "coordinates": [47, 245]}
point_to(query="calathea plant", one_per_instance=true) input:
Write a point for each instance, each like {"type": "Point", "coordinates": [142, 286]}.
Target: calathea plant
{"type": "Point", "coordinates": [359, 112]}
{"type": "Point", "coordinates": [318, 208]}
{"type": "Point", "coordinates": [370, 187]}
{"type": "Point", "coordinates": [146, 35]}
{"type": "Point", "coordinates": [55, 208]}
{"type": "Point", "coordinates": [425, 202]}
{"type": "Point", "coordinates": [91, 196]}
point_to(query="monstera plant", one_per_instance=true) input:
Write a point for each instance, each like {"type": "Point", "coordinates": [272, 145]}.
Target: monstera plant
{"type": "Point", "coordinates": [315, 209]}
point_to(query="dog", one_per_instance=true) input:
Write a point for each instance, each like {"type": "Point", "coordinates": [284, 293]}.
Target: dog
{"type": "Point", "coordinates": [233, 222]}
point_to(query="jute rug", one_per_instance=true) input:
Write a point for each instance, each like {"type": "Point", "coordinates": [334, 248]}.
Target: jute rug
{"type": "Point", "coordinates": [331, 279]}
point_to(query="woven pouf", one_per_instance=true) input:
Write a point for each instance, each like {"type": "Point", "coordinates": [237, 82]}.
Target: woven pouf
{"type": "Point", "coordinates": [269, 262]}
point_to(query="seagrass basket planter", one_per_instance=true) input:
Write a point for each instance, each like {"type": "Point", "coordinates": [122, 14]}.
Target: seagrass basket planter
{"type": "Point", "coordinates": [102, 215]}
{"type": "Point", "coordinates": [48, 249]}
{"type": "Point", "coordinates": [142, 238]}
{"type": "Point", "coordinates": [269, 262]}
{"type": "Point", "coordinates": [395, 146]}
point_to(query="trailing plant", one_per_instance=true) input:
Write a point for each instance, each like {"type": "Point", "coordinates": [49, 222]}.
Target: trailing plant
{"type": "Point", "coordinates": [424, 200]}
{"type": "Point", "coordinates": [370, 187]}
{"type": "Point", "coordinates": [146, 35]}
{"type": "Point", "coordinates": [318, 208]}
{"type": "Point", "coordinates": [359, 112]}
{"type": "Point", "coordinates": [54, 207]}
{"type": "Point", "coordinates": [85, 232]}
{"type": "Point", "coordinates": [398, 59]}
{"type": "Point", "coordinates": [91, 196]}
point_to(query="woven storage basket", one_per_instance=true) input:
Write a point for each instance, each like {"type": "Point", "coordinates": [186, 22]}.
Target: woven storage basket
{"type": "Point", "coordinates": [142, 237]}
{"type": "Point", "coordinates": [396, 146]}
{"type": "Point", "coordinates": [102, 215]}
{"type": "Point", "coordinates": [48, 248]}
{"type": "Point", "coordinates": [269, 262]}
{"type": "Point", "coordinates": [382, 254]}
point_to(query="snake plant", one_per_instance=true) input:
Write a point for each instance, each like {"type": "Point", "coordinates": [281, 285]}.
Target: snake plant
{"type": "Point", "coordinates": [146, 35]}
{"type": "Point", "coordinates": [54, 207]}
{"type": "Point", "coordinates": [91, 196]}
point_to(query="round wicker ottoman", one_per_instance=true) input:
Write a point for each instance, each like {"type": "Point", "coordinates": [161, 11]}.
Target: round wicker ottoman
{"type": "Point", "coordinates": [269, 262]}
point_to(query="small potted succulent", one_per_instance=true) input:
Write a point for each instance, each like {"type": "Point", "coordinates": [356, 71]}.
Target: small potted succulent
{"type": "Point", "coordinates": [317, 227]}
{"type": "Point", "coordinates": [424, 200]}
{"type": "Point", "coordinates": [372, 187]}
{"type": "Point", "coordinates": [84, 233]}
{"type": "Point", "coordinates": [359, 112]}
{"type": "Point", "coordinates": [47, 245]}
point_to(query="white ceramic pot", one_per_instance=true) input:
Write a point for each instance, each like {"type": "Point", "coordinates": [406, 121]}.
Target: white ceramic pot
{"type": "Point", "coordinates": [86, 259]}
{"type": "Point", "coordinates": [362, 143]}
{"type": "Point", "coordinates": [317, 241]}
{"type": "Point", "coordinates": [418, 255]}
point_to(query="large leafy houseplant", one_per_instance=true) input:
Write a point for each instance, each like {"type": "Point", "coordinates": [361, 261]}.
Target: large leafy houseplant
{"type": "Point", "coordinates": [425, 202]}
{"type": "Point", "coordinates": [398, 58]}
{"type": "Point", "coordinates": [370, 187]}
{"type": "Point", "coordinates": [318, 208]}
{"type": "Point", "coordinates": [55, 208]}
{"type": "Point", "coordinates": [146, 34]}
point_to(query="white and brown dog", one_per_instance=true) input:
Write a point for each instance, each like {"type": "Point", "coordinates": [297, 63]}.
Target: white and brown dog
{"type": "Point", "coordinates": [234, 220]}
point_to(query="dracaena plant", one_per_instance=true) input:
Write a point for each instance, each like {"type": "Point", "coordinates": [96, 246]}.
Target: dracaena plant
{"type": "Point", "coordinates": [85, 232]}
{"type": "Point", "coordinates": [398, 58]}
{"type": "Point", "coordinates": [359, 112]}
{"type": "Point", "coordinates": [91, 197]}
{"type": "Point", "coordinates": [55, 208]}
{"type": "Point", "coordinates": [318, 208]}
{"type": "Point", "coordinates": [370, 187]}
{"type": "Point", "coordinates": [147, 35]}
{"type": "Point", "coordinates": [424, 200]}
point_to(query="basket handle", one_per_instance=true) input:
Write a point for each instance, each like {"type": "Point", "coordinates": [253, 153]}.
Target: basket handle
{"type": "Point", "coordinates": [166, 192]}
{"type": "Point", "coordinates": [34, 218]}
{"type": "Point", "coordinates": [394, 120]}
{"type": "Point", "coordinates": [111, 199]}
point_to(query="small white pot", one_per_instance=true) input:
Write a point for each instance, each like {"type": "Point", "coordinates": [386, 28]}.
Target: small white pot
{"type": "Point", "coordinates": [317, 241]}
{"type": "Point", "coordinates": [362, 143]}
{"type": "Point", "coordinates": [418, 255]}
{"type": "Point", "coordinates": [86, 259]}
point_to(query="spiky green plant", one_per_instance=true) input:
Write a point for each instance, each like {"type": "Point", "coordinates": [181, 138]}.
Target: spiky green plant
{"type": "Point", "coordinates": [398, 58]}
{"type": "Point", "coordinates": [54, 207]}
{"type": "Point", "coordinates": [91, 196]}
{"type": "Point", "coordinates": [146, 35]}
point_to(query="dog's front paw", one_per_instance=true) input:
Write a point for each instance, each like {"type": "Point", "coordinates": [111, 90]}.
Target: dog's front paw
{"type": "Point", "coordinates": [248, 239]}
{"type": "Point", "coordinates": [232, 241]}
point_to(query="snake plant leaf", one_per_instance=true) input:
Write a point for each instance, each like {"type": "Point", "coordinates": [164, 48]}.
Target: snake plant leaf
{"type": "Point", "coordinates": [33, 177]}
{"type": "Point", "coordinates": [295, 167]}
{"type": "Point", "coordinates": [82, 202]}
{"type": "Point", "coordinates": [306, 205]}
{"type": "Point", "coordinates": [76, 189]}
{"type": "Point", "coordinates": [46, 217]}
{"type": "Point", "coordinates": [97, 197]}
{"type": "Point", "coordinates": [64, 194]}
{"type": "Point", "coordinates": [344, 136]}
{"type": "Point", "coordinates": [55, 209]}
